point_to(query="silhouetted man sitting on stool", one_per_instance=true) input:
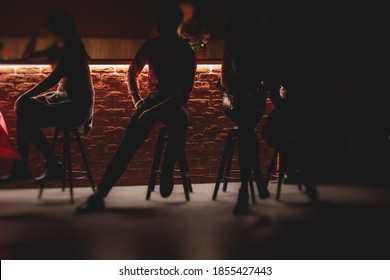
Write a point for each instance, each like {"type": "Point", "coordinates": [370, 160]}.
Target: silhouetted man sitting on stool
{"type": "Point", "coordinates": [172, 66]}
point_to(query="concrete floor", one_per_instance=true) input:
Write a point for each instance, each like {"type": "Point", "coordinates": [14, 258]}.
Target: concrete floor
{"type": "Point", "coordinates": [350, 222]}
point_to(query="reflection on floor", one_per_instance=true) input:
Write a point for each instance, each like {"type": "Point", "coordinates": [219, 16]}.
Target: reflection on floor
{"type": "Point", "coordinates": [350, 222]}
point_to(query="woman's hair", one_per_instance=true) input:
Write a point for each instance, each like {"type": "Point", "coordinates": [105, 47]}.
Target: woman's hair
{"type": "Point", "coordinates": [61, 24]}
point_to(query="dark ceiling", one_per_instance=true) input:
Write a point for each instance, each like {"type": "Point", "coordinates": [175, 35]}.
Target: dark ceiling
{"type": "Point", "coordinates": [114, 18]}
{"type": "Point", "coordinates": [135, 19]}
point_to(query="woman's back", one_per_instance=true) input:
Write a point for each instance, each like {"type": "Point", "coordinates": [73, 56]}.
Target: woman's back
{"type": "Point", "coordinates": [74, 70]}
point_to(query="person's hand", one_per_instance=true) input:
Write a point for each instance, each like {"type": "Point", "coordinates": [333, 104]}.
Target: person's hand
{"type": "Point", "coordinates": [23, 98]}
{"type": "Point", "coordinates": [18, 101]}
{"type": "Point", "coordinates": [139, 104]}
{"type": "Point", "coordinates": [146, 115]}
{"type": "Point", "coordinates": [283, 92]}
{"type": "Point", "coordinates": [137, 100]}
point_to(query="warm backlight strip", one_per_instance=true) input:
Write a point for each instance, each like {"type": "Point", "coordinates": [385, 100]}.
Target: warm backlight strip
{"type": "Point", "coordinates": [211, 67]}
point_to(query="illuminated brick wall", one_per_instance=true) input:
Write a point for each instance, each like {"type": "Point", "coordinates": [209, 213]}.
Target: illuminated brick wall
{"type": "Point", "coordinates": [206, 133]}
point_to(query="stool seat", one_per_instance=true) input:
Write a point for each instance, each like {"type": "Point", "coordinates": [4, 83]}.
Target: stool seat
{"type": "Point", "coordinates": [156, 171]}
{"type": "Point", "coordinates": [225, 167]}
{"type": "Point", "coordinates": [70, 135]}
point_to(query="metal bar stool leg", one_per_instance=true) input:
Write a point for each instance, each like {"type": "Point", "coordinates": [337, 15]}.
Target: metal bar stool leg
{"type": "Point", "coordinates": [41, 191]}
{"type": "Point", "coordinates": [184, 177]}
{"type": "Point", "coordinates": [221, 169]}
{"type": "Point", "coordinates": [252, 190]}
{"type": "Point", "coordinates": [229, 163]}
{"type": "Point", "coordinates": [86, 164]}
{"type": "Point", "coordinates": [69, 162]}
{"type": "Point", "coordinates": [64, 161]}
{"type": "Point", "coordinates": [55, 139]}
{"type": "Point", "coordinates": [271, 167]}
{"type": "Point", "coordinates": [185, 166]}
{"type": "Point", "coordinates": [156, 162]}
{"type": "Point", "coordinates": [280, 180]}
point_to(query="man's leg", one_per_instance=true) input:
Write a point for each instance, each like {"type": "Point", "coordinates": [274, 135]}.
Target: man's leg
{"type": "Point", "coordinates": [176, 122]}
{"type": "Point", "coordinates": [253, 153]}
{"type": "Point", "coordinates": [242, 205]}
{"type": "Point", "coordinates": [135, 134]}
{"type": "Point", "coordinates": [248, 158]}
{"type": "Point", "coordinates": [244, 154]}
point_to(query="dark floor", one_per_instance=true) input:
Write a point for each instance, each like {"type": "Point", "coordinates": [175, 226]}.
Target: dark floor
{"type": "Point", "coordinates": [350, 222]}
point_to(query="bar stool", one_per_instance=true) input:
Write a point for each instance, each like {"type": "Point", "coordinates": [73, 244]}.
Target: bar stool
{"type": "Point", "coordinates": [280, 173]}
{"type": "Point", "coordinates": [69, 135]}
{"type": "Point", "coordinates": [225, 167]}
{"type": "Point", "coordinates": [155, 172]}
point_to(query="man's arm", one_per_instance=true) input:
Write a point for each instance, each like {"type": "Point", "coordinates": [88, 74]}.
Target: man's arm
{"type": "Point", "coordinates": [133, 73]}
{"type": "Point", "coordinates": [186, 84]}
{"type": "Point", "coordinates": [226, 69]}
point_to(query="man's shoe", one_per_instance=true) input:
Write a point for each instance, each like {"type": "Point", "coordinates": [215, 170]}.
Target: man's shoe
{"type": "Point", "coordinates": [166, 184]}
{"type": "Point", "coordinates": [242, 205]}
{"type": "Point", "coordinates": [94, 203]}
{"type": "Point", "coordinates": [52, 172]}
{"type": "Point", "coordinates": [262, 187]}
{"type": "Point", "coordinates": [18, 172]}
{"type": "Point", "coordinates": [264, 193]}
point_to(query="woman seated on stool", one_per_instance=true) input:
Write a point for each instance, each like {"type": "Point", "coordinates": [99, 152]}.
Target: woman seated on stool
{"type": "Point", "coordinates": [69, 106]}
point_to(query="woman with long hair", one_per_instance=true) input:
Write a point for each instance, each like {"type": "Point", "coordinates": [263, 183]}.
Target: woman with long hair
{"type": "Point", "coordinates": [70, 105]}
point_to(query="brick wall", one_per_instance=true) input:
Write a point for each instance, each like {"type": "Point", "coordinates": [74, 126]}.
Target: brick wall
{"type": "Point", "coordinates": [206, 133]}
